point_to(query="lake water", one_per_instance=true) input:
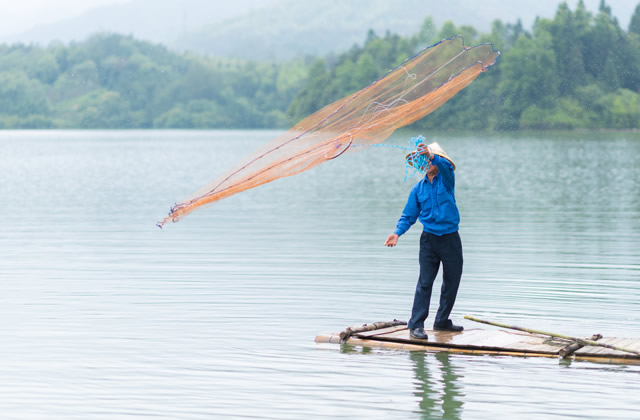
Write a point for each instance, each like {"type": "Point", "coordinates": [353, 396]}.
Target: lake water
{"type": "Point", "coordinates": [104, 316]}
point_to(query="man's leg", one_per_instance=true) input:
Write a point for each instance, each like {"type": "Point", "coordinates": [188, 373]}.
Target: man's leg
{"type": "Point", "coordinates": [450, 251]}
{"type": "Point", "coordinates": [429, 264]}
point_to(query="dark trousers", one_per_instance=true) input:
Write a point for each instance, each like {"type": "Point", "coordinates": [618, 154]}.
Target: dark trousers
{"type": "Point", "coordinates": [434, 250]}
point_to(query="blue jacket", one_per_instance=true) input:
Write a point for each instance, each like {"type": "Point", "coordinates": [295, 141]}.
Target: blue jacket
{"type": "Point", "coordinates": [434, 203]}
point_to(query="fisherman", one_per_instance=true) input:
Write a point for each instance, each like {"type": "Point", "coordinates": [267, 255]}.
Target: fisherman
{"type": "Point", "coordinates": [432, 201]}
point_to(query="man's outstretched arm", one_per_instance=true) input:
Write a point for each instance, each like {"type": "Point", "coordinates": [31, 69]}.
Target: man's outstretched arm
{"type": "Point", "coordinates": [408, 218]}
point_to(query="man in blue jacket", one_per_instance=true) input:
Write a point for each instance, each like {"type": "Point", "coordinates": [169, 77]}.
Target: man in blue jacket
{"type": "Point", "coordinates": [432, 200]}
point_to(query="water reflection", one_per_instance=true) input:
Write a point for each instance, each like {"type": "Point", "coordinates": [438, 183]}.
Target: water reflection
{"type": "Point", "coordinates": [437, 385]}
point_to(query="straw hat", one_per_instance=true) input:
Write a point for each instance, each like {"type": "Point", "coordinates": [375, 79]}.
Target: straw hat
{"type": "Point", "coordinates": [435, 149]}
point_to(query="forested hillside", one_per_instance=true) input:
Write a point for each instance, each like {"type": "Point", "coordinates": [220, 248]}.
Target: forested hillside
{"type": "Point", "coordinates": [580, 69]}
{"type": "Point", "coordinates": [113, 81]}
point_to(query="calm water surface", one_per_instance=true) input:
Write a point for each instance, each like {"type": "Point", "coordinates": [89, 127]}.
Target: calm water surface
{"type": "Point", "coordinates": [104, 316]}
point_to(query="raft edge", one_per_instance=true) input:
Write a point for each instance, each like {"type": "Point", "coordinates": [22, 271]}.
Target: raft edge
{"type": "Point", "coordinates": [354, 341]}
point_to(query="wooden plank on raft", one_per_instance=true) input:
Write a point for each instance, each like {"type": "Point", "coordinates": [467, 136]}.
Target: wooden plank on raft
{"type": "Point", "coordinates": [435, 337]}
{"type": "Point", "coordinates": [506, 340]}
{"type": "Point", "coordinates": [398, 334]}
{"type": "Point", "coordinates": [491, 339]}
{"type": "Point", "coordinates": [633, 343]}
{"type": "Point", "coordinates": [382, 331]}
{"type": "Point", "coordinates": [471, 339]}
{"type": "Point", "coordinates": [614, 341]}
{"type": "Point", "coordinates": [603, 351]}
{"type": "Point", "coordinates": [468, 336]}
{"type": "Point", "coordinates": [630, 343]}
{"type": "Point", "coordinates": [356, 341]}
{"type": "Point", "coordinates": [557, 335]}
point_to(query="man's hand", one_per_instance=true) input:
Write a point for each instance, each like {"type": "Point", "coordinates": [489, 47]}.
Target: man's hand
{"type": "Point", "coordinates": [424, 150]}
{"type": "Point", "coordinates": [392, 240]}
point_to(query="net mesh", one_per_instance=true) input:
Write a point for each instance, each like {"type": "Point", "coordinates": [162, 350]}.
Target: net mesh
{"type": "Point", "coordinates": [404, 95]}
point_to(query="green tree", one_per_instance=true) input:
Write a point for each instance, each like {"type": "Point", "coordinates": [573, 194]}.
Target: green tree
{"type": "Point", "coordinates": [22, 96]}
{"type": "Point", "coordinates": [634, 25]}
{"type": "Point", "coordinates": [101, 108]}
{"type": "Point", "coordinates": [426, 36]}
{"type": "Point", "coordinates": [621, 109]}
{"type": "Point", "coordinates": [565, 29]}
{"type": "Point", "coordinates": [311, 96]}
{"type": "Point", "coordinates": [528, 77]}
{"type": "Point", "coordinates": [47, 69]}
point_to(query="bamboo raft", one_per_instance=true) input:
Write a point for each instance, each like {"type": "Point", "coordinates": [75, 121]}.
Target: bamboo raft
{"type": "Point", "coordinates": [507, 341]}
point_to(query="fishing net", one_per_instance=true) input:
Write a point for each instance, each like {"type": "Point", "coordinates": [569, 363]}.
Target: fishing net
{"type": "Point", "coordinates": [404, 95]}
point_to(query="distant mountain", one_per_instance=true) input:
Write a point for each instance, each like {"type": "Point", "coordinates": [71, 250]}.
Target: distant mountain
{"type": "Point", "coordinates": [282, 29]}
{"type": "Point", "coordinates": [292, 28]}
{"type": "Point", "coordinates": [154, 20]}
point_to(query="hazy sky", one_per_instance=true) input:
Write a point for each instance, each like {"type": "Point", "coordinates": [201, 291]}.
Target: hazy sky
{"type": "Point", "coordinates": [20, 15]}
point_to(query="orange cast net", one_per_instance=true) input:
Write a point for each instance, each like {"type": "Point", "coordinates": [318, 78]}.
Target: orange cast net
{"type": "Point", "coordinates": [404, 95]}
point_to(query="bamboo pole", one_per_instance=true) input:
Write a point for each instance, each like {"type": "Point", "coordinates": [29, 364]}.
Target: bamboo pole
{"type": "Point", "coordinates": [566, 337]}
{"type": "Point", "coordinates": [344, 335]}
